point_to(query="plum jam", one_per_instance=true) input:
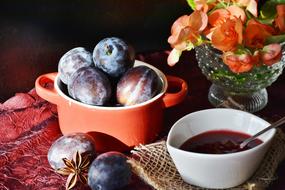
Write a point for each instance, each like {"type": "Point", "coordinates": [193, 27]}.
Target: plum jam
{"type": "Point", "coordinates": [218, 142]}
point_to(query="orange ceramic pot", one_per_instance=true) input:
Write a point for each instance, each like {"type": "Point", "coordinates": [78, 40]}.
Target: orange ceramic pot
{"type": "Point", "coordinates": [113, 128]}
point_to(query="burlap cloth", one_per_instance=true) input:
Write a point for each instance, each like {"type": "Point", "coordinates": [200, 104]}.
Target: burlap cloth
{"type": "Point", "coordinates": [154, 165]}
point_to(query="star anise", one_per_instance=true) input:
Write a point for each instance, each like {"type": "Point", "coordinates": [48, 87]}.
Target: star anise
{"type": "Point", "coordinates": [76, 169]}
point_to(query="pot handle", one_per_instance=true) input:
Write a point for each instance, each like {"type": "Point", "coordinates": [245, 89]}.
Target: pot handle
{"type": "Point", "coordinates": [46, 91]}
{"type": "Point", "coordinates": [171, 99]}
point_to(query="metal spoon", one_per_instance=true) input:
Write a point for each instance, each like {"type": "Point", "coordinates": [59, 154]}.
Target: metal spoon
{"type": "Point", "coordinates": [273, 125]}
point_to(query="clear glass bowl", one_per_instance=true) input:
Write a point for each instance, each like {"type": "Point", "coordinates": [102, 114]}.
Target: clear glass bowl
{"type": "Point", "coordinates": [243, 91]}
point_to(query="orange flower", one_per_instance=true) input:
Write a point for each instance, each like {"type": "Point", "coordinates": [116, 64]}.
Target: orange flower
{"type": "Point", "coordinates": [234, 28]}
{"type": "Point", "coordinates": [271, 54]}
{"type": "Point", "coordinates": [239, 63]}
{"type": "Point", "coordinates": [187, 29]}
{"type": "Point", "coordinates": [256, 34]}
{"type": "Point", "coordinates": [219, 16]}
{"type": "Point", "coordinates": [280, 19]}
{"type": "Point", "coordinates": [228, 35]}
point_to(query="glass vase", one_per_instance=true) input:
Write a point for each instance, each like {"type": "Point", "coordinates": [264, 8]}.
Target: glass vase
{"type": "Point", "coordinates": [246, 91]}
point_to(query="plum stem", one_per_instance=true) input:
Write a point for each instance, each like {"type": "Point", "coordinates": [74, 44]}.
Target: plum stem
{"type": "Point", "coordinates": [108, 49]}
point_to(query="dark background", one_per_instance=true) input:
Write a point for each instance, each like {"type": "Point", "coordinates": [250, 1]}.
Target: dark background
{"type": "Point", "coordinates": [34, 34]}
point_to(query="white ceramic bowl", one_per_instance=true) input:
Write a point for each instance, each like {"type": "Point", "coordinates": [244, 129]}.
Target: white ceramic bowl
{"type": "Point", "coordinates": [217, 170]}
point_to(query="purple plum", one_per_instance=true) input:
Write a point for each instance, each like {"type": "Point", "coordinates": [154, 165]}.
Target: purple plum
{"type": "Point", "coordinates": [109, 171]}
{"type": "Point", "coordinates": [66, 146]}
{"type": "Point", "coordinates": [114, 56]}
{"type": "Point", "coordinates": [138, 85]}
{"type": "Point", "coordinates": [71, 61]}
{"type": "Point", "coordinates": [89, 85]}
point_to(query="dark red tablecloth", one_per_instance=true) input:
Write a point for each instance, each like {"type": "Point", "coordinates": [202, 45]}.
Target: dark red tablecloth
{"type": "Point", "coordinates": [29, 125]}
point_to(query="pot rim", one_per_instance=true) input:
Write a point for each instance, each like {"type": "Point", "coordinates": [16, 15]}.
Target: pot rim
{"type": "Point", "coordinates": [160, 74]}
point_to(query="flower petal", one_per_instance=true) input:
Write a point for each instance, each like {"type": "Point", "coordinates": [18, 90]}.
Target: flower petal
{"type": "Point", "coordinates": [256, 34]}
{"type": "Point", "coordinates": [280, 9]}
{"type": "Point", "coordinates": [266, 27]}
{"type": "Point", "coordinates": [271, 54]}
{"type": "Point", "coordinates": [239, 30]}
{"type": "Point", "coordinates": [237, 12]}
{"type": "Point", "coordinates": [238, 63]}
{"type": "Point", "coordinates": [219, 16]}
{"type": "Point", "coordinates": [280, 19]}
{"type": "Point", "coordinates": [198, 21]}
{"type": "Point", "coordinates": [173, 57]}
{"type": "Point", "coordinates": [176, 28]}
{"type": "Point", "coordinates": [252, 7]}
{"type": "Point", "coordinates": [180, 23]}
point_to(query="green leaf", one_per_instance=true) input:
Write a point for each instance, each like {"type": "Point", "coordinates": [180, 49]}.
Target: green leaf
{"type": "Point", "coordinates": [268, 10]}
{"type": "Point", "coordinates": [211, 1]}
{"type": "Point", "coordinates": [275, 39]}
{"type": "Point", "coordinates": [266, 21]}
{"type": "Point", "coordinates": [276, 1]}
{"type": "Point", "coordinates": [192, 4]}
{"type": "Point", "coordinates": [242, 50]}
{"type": "Point", "coordinates": [248, 15]}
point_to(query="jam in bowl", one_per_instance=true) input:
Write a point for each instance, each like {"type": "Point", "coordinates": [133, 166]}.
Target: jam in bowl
{"type": "Point", "coordinates": [204, 147]}
{"type": "Point", "coordinates": [218, 142]}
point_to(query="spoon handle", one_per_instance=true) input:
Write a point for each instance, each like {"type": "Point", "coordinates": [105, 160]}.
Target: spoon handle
{"type": "Point", "coordinates": [274, 125]}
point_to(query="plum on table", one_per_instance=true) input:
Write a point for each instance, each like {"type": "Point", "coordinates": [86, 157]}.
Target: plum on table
{"type": "Point", "coordinates": [109, 171]}
{"type": "Point", "coordinates": [66, 146]}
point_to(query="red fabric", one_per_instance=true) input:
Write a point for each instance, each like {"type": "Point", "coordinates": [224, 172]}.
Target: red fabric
{"type": "Point", "coordinates": [29, 125]}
